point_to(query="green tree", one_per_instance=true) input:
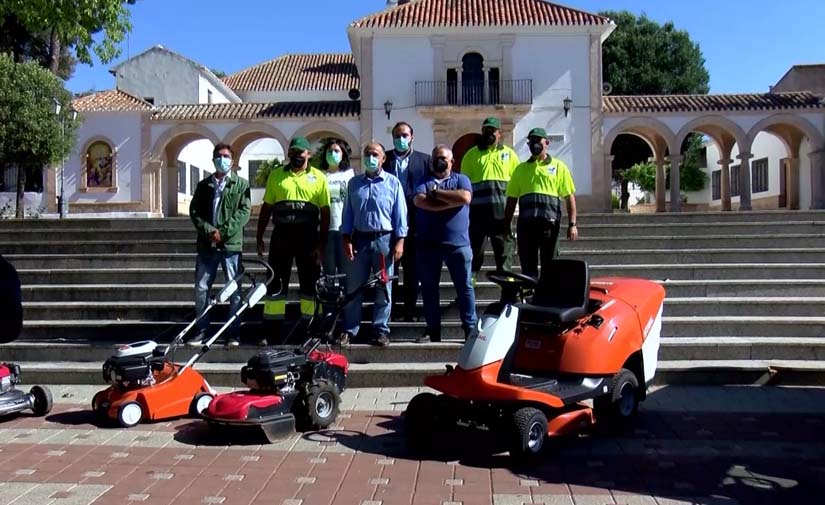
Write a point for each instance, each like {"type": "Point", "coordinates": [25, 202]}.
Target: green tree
{"type": "Point", "coordinates": [266, 168]}
{"type": "Point", "coordinates": [25, 45]}
{"type": "Point", "coordinates": [691, 175]}
{"type": "Point", "coordinates": [74, 23]}
{"type": "Point", "coordinates": [642, 57]}
{"type": "Point", "coordinates": [31, 135]}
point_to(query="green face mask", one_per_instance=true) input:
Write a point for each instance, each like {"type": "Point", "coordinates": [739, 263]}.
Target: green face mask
{"type": "Point", "coordinates": [334, 157]}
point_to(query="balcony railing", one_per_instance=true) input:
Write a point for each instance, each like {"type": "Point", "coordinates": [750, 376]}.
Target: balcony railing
{"type": "Point", "coordinates": [470, 93]}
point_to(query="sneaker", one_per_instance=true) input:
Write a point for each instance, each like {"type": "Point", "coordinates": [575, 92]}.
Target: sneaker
{"type": "Point", "coordinates": [197, 340]}
{"type": "Point", "coordinates": [263, 342]}
{"type": "Point", "coordinates": [345, 338]}
{"type": "Point", "coordinates": [233, 342]}
{"type": "Point", "coordinates": [428, 336]}
{"type": "Point", "coordinates": [382, 340]}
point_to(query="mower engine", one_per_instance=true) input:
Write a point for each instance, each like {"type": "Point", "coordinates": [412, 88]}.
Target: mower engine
{"type": "Point", "coordinates": [133, 365]}
{"type": "Point", "coordinates": [274, 370]}
{"type": "Point", "coordinates": [9, 376]}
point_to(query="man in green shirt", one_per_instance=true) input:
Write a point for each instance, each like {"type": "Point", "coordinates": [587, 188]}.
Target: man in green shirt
{"type": "Point", "coordinates": [538, 186]}
{"type": "Point", "coordinates": [219, 209]}
{"type": "Point", "coordinates": [489, 166]}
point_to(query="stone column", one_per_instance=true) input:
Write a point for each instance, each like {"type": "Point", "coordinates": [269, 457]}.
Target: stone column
{"type": "Point", "coordinates": [608, 174]}
{"type": "Point", "coordinates": [745, 180]}
{"type": "Point", "coordinates": [661, 200]}
{"type": "Point", "coordinates": [675, 194]}
{"type": "Point", "coordinates": [792, 183]}
{"type": "Point", "coordinates": [485, 79]}
{"type": "Point", "coordinates": [725, 181]}
{"type": "Point", "coordinates": [50, 188]}
{"type": "Point", "coordinates": [817, 179]}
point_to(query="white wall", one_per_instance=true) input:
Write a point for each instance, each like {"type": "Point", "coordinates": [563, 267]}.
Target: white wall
{"type": "Point", "coordinates": [160, 75]}
{"type": "Point", "coordinates": [205, 86]}
{"type": "Point", "coordinates": [123, 130]}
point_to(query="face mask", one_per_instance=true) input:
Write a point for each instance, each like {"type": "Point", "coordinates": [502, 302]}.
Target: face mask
{"type": "Point", "coordinates": [489, 138]}
{"type": "Point", "coordinates": [334, 157]}
{"type": "Point", "coordinates": [222, 164]}
{"type": "Point", "coordinates": [371, 164]}
{"type": "Point", "coordinates": [439, 166]}
{"type": "Point", "coordinates": [296, 161]}
{"type": "Point", "coordinates": [536, 148]}
{"type": "Point", "coordinates": [401, 144]}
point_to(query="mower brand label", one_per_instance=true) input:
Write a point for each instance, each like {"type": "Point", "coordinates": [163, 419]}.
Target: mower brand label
{"type": "Point", "coordinates": [532, 344]}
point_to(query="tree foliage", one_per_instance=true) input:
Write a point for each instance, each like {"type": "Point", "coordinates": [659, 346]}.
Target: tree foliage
{"type": "Point", "coordinates": [31, 134]}
{"type": "Point", "coordinates": [642, 57]}
{"type": "Point", "coordinates": [25, 45]}
{"type": "Point", "coordinates": [266, 168]}
{"type": "Point", "coordinates": [691, 175]}
{"type": "Point", "coordinates": [74, 23]}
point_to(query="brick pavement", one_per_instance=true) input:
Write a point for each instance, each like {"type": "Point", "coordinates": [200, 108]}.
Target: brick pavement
{"type": "Point", "coordinates": [691, 445]}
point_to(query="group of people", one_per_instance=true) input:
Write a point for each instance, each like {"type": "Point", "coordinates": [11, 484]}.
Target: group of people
{"type": "Point", "coordinates": [407, 208]}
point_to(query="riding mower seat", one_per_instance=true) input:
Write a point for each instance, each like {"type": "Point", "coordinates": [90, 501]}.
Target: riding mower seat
{"type": "Point", "coordinates": [562, 295]}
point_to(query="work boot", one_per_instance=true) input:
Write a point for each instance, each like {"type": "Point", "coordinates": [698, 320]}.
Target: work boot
{"type": "Point", "coordinates": [429, 336]}
{"type": "Point", "coordinates": [382, 340]}
{"type": "Point", "coordinates": [263, 342]}
{"type": "Point", "coordinates": [233, 342]}
{"type": "Point", "coordinates": [345, 339]}
{"type": "Point", "coordinates": [197, 340]}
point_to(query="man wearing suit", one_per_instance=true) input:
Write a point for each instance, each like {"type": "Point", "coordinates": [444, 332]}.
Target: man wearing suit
{"type": "Point", "coordinates": [409, 166]}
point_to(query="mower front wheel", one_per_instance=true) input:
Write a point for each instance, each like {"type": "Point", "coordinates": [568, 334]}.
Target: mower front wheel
{"type": "Point", "coordinates": [200, 403]}
{"type": "Point", "coordinates": [620, 406]}
{"type": "Point", "coordinates": [420, 420]}
{"type": "Point", "coordinates": [530, 432]}
{"type": "Point", "coordinates": [129, 414]}
{"type": "Point", "coordinates": [322, 403]}
{"type": "Point", "coordinates": [42, 400]}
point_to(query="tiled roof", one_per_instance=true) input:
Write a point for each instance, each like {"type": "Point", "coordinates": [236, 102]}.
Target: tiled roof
{"type": "Point", "coordinates": [258, 110]}
{"type": "Point", "coordinates": [113, 100]}
{"type": "Point", "coordinates": [430, 13]}
{"type": "Point", "coordinates": [709, 103]}
{"type": "Point", "coordinates": [298, 72]}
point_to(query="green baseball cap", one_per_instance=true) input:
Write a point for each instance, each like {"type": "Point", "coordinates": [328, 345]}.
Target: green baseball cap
{"type": "Point", "coordinates": [537, 132]}
{"type": "Point", "coordinates": [300, 143]}
{"type": "Point", "coordinates": [493, 122]}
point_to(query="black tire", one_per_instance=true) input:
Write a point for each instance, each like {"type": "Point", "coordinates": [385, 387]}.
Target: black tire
{"type": "Point", "coordinates": [529, 433]}
{"type": "Point", "coordinates": [618, 408]}
{"type": "Point", "coordinates": [126, 414]}
{"type": "Point", "coordinates": [194, 409]}
{"type": "Point", "coordinates": [322, 404]}
{"type": "Point", "coordinates": [42, 400]}
{"type": "Point", "coordinates": [420, 420]}
{"type": "Point", "coordinates": [98, 401]}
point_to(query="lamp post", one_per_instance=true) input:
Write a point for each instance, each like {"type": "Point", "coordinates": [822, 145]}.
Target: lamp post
{"type": "Point", "coordinates": [62, 204]}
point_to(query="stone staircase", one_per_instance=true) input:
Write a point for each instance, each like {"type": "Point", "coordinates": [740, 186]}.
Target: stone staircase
{"type": "Point", "coordinates": [745, 296]}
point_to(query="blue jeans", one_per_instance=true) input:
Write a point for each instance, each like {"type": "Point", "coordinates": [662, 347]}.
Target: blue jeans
{"type": "Point", "coordinates": [459, 264]}
{"type": "Point", "coordinates": [367, 254]}
{"type": "Point", "coordinates": [206, 267]}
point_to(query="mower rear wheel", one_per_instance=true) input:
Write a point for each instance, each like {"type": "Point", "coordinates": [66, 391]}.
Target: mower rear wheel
{"type": "Point", "coordinates": [42, 400]}
{"type": "Point", "coordinates": [129, 414]}
{"type": "Point", "coordinates": [322, 404]}
{"type": "Point", "coordinates": [200, 403]}
{"type": "Point", "coordinates": [420, 420]}
{"type": "Point", "coordinates": [620, 406]}
{"type": "Point", "coordinates": [98, 400]}
{"type": "Point", "coordinates": [530, 432]}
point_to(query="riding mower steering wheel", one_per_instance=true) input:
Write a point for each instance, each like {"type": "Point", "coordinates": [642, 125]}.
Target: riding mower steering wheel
{"type": "Point", "coordinates": [513, 286]}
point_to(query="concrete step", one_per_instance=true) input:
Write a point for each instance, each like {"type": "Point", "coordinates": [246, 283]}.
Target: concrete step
{"type": "Point", "coordinates": [714, 372]}
{"type": "Point", "coordinates": [484, 290]}
{"type": "Point", "coordinates": [587, 231]}
{"type": "Point", "coordinates": [605, 257]}
{"type": "Point", "coordinates": [701, 348]}
{"type": "Point", "coordinates": [185, 275]}
{"type": "Point", "coordinates": [126, 330]}
{"type": "Point", "coordinates": [745, 306]}
{"type": "Point", "coordinates": [616, 243]}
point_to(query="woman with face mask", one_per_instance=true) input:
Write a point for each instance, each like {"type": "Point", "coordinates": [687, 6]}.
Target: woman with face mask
{"type": "Point", "coordinates": [335, 164]}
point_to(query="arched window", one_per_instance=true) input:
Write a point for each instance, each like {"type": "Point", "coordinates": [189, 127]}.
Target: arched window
{"type": "Point", "coordinates": [472, 78]}
{"type": "Point", "coordinates": [99, 165]}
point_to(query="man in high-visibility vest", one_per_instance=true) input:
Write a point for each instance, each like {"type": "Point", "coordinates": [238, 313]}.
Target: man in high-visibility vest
{"type": "Point", "coordinates": [489, 166]}
{"type": "Point", "coordinates": [297, 199]}
{"type": "Point", "coordinates": [538, 186]}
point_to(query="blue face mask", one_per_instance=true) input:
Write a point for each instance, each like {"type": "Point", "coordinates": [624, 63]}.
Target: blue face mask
{"type": "Point", "coordinates": [222, 164]}
{"type": "Point", "coordinates": [334, 157]}
{"type": "Point", "coordinates": [401, 144]}
{"type": "Point", "coordinates": [371, 164]}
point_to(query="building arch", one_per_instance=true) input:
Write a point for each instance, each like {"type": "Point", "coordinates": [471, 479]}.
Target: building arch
{"type": "Point", "coordinates": [244, 134]}
{"type": "Point", "coordinates": [657, 134]}
{"type": "Point", "coordinates": [178, 136]}
{"type": "Point", "coordinates": [722, 130]}
{"type": "Point", "coordinates": [778, 125]}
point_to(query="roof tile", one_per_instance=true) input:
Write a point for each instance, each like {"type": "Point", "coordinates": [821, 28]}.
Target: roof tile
{"type": "Point", "coordinates": [711, 103]}
{"type": "Point", "coordinates": [217, 111]}
{"type": "Point", "coordinates": [113, 100]}
{"type": "Point", "coordinates": [298, 72]}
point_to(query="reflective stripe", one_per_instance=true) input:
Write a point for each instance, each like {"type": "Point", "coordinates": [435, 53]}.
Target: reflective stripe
{"type": "Point", "coordinates": [307, 307]}
{"type": "Point", "coordinates": [275, 307]}
{"type": "Point", "coordinates": [539, 206]}
{"type": "Point", "coordinates": [295, 212]}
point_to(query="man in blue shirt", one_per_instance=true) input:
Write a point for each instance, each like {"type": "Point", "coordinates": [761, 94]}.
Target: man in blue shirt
{"type": "Point", "coordinates": [374, 225]}
{"type": "Point", "coordinates": [409, 166]}
{"type": "Point", "coordinates": [442, 203]}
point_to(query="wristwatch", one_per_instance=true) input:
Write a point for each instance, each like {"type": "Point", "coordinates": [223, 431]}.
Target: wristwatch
{"type": "Point", "coordinates": [571, 224]}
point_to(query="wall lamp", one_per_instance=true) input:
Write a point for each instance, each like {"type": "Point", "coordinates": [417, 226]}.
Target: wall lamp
{"type": "Point", "coordinates": [388, 108]}
{"type": "Point", "coordinates": [567, 104]}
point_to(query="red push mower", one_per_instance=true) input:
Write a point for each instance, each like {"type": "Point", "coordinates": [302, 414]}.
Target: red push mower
{"type": "Point", "coordinates": [527, 371]}
{"type": "Point", "coordinates": [298, 389]}
{"type": "Point", "coordinates": [13, 400]}
{"type": "Point", "coordinates": [148, 385]}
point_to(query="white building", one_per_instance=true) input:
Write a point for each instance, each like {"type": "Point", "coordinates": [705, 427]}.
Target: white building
{"type": "Point", "coordinates": [466, 60]}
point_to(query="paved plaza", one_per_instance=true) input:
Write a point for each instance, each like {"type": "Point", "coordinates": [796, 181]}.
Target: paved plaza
{"type": "Point", "coordinates": [692, 445]}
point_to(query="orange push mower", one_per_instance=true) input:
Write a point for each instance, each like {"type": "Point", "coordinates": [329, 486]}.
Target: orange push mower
{"type": "Point", "coordinates": [147, 385]}
{"type": "Point", "coordinates": [526, 372]}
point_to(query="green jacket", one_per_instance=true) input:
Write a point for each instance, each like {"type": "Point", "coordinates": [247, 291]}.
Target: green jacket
{"type": "Point", "coordinates": [233, 212]}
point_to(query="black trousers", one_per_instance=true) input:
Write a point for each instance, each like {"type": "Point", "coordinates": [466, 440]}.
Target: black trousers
{"type": "Point", "coordinates": [483, 225]}
{"type": "Point", "coordinates": [538, 240]}
{"type": "Point", "coordinates": [409, 268]}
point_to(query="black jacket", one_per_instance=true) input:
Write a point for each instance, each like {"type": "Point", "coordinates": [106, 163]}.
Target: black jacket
{"type": "Point", "coordinates": [417, 168]}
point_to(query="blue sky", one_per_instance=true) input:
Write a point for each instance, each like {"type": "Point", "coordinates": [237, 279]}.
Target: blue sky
{"type": "Point", "coordinates": [748, 44]}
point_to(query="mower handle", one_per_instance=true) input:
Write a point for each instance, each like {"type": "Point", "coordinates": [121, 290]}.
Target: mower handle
{"type": "Point", "coordinates": [270, 273]}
